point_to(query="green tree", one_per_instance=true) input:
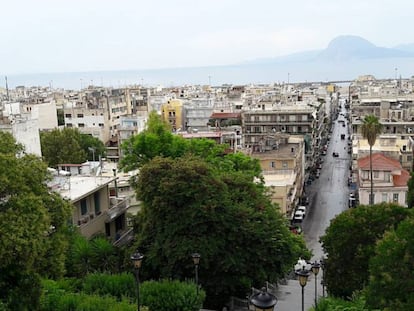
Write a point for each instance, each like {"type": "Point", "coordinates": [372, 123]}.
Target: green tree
{"type": "Point", "coordinates": [62, 146]}
{"type": "Point", "coordinates": [9, 144]}
{"type": "Point", "coordinates": [350, 242]}
{"type": "Point", "coordinates": [92, 146]}
{"type": "Point", "coordinates": [371, 128]}
{"type": "Point", "coordinates": [157, 140]}
{"type": "Point", "coordinates": [410, 193]}
{"type": "Point", "coordinates": [391, 283]}
{"type": "Point", "coordinates": [190, 206]}
{"type": "Point", "coordinates": [32, 226]}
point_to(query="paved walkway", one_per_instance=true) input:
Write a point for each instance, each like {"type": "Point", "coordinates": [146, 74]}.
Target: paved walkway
{"type": "Point", "coordinates": [289, 295]}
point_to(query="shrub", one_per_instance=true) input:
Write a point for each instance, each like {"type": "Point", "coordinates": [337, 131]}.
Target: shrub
{"type": "Point", "coordinates": [116, 285]}
{"type": "Point", "coordinates": [55, 298]}
{"type": "Point", "coordinates": [167, 295]}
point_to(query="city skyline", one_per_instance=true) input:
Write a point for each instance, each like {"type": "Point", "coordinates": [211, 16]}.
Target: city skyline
{"type": "Point", "coordinates": [71, 36]}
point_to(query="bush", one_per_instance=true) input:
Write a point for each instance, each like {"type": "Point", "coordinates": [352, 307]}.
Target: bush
{"type": "Point", "coordinates": [116, 285]}
{"type": "Point", "coordinates": [55, 298]}
{"type": "Point", "coordinates": [169, 295]}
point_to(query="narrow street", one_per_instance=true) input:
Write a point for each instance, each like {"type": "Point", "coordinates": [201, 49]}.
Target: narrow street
{"type": "Point", "coordinates": [329, 195]}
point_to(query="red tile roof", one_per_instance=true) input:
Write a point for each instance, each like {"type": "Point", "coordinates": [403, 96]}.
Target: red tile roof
{"type": "Point", "coordinates": [379, 163]}
{"type": "Point", "coordinates": [226, 115]}
{"type": "Point", "coordinates": [401, 180]}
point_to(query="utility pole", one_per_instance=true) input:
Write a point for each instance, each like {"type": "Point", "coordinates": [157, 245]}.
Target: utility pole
{"type": "Point", "coordinates": [7, 89]}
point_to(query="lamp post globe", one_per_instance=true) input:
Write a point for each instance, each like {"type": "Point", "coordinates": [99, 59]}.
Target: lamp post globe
{"type": "Point", "coordinates": [303, 275]}
{"type": "Point", "coordinates": [136, 259]}
{"type": "Point", "coordinates": [196, 260]}
{"type": "Point", "coordinates": [315, 270]}
{"type": "Point", "coordinates": [263, 301]}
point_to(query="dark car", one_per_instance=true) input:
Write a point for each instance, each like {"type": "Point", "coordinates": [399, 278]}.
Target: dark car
{"type": "Point", "coordinates": [335, 154]}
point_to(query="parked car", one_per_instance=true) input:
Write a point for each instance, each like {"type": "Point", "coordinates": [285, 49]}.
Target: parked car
{"type": "Point", "coordinates": [298, 216]}
{"type": "Point", "coordinates": [302, 208]}
{"type": "Point", "coordinates": [335, 154]}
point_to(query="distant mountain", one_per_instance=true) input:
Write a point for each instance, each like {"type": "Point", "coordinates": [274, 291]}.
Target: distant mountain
{"type": "Point", "coordinates": [409, 47]}
{"type": "Point", "coordinates": [342, 48]}
{"type": "Point", "coordinates": [353, 48]}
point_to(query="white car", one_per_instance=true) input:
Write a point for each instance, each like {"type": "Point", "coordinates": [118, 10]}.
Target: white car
{"type": "Point", "coordinates": [298, 216]}
{"type": "Point", "coordinates": [302, 209]}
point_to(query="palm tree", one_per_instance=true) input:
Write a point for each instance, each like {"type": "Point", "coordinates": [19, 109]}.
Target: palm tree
{"type": "Point", "coordinates": [371, 128]}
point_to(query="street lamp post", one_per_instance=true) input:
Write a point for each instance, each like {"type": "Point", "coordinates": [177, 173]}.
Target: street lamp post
{"type": "Point", "coordinates": [196, 260]}
{"type": "Point", "coordinates": [315, 269]}
{"type": "Point", "coordinates": [303, 275]}
{"type": "Point", "coordinates": [323, 266]}
{"type": "Point", "coordinates": [136, 259]}
{"type": "Point", "coordinates": [263, 301]}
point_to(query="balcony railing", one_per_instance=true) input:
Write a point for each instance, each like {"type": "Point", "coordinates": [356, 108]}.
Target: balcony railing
{"type": "Point", "coordinates": [119, 205]}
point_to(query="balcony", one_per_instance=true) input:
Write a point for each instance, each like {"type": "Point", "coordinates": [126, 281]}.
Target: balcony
{"type": "Point", "coordinates": [119, 206]}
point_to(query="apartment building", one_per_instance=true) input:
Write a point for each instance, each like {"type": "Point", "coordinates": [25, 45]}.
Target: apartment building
{"type": "Point", "coordinates": [390, 180]}
{"type": "Point", "coordinates": [95, 211]}
{"type": "Point", "coordinates": [283, 170]}
{"type": "Point", "coordinates": [172, 113]}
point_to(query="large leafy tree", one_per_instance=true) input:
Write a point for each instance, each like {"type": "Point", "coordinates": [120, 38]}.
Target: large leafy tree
{"type": "Point", "coordinates": [191, 206]}
{"type": "Point", "coordinates": [92, 146]}
{"type": "Point", "coordinates": [371, 128]}
{"type": "Point", "coordinates": [391, 283]}
{"type": "Point", "coordinates": [62, 146]}
{"type": "Point", "coordinates": [32, 226]}
{"type": "Point", "coordinates": [350, 242]}
{"type": "Point", "coordinates": [157, 140]}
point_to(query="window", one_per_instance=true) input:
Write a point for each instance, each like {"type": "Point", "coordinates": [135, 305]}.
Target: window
{"type": "Point", "coordinates": [375, 174]}
{"type": "Point", "coordinates": [68, 115]}
{"type": "Point", "coordinates": [81, 124]}
{"type": "Point", "coordinates": [101, 125]}
{"type": "Point", "coordinates": [284, 164]}
{"type": "Point", "coordinates": [84, 207]}
{"type": "Point", "coordinates": [97, 203]}
{"type": "Point", "coordinates": [272, 164]}
{"type": "Point", "coordinates": [395, 197]}
{"type": "Point", "coordinates": [68, 124]}
{"type": "Point", "coordinates": [80, 115]}
{"type": "Point", "coordinates": [385, 197]}
{"type": "Point", "coordinates": [387, 176]}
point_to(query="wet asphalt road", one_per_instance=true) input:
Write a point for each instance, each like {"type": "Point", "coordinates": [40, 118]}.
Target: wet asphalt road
{"type": "Point", "coordinates": [329, 193]}
{"type": "Point", "coordinates": [328, 197]}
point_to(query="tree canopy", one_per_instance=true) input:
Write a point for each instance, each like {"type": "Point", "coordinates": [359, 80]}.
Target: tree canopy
{"type": "Point", "coordinates": [32, 225]}
{"type": "Point", "coordinates": [157, 140]}
{"type": "Point", "coordinates": [391, 283]}
{"type": "Point", "coordinates": [68, 145]}
{"type": "Point", "coordinates": [190, 206]}
{"type": "Point", "coordinates": [350, 242]}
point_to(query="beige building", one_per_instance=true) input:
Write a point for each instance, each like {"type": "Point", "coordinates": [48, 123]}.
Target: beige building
{"type": "Point", "coordinates": [95, 212]}
{"type": "Point", "coordinates": [283, 171]}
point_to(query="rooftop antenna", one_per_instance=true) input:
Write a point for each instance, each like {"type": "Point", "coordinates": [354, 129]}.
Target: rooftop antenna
{"type": "Point", "coordinates": [7, 89]}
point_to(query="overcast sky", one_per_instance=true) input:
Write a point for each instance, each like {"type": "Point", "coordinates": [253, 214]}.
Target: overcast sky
{"type": "Point", "coordinates": [69, 36]}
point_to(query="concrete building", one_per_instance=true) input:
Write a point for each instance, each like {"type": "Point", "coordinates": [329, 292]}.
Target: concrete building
{"type": "Point", "coordinates": [390, 180]}
{"type": "Point", "coordinates": [284, 171]}
{"type": "Point", "coordinates": [95, 212]}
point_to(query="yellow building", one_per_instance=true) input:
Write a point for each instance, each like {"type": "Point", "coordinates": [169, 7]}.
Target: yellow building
{"type": "Point", "coordinates": [172, 112]}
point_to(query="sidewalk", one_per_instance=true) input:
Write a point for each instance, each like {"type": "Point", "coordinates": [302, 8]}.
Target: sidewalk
{"type": "Point", "coordinates": [289, 295]}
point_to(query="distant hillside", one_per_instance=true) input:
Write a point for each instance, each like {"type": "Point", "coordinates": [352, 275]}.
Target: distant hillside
{"type": "Point", "coordinates": [353, 47]}
{"type": "Point", "coordinates": [342, 48]}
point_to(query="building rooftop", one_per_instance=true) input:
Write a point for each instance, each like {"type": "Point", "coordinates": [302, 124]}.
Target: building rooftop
{"type": "Point", "coordinates": [77, 187]}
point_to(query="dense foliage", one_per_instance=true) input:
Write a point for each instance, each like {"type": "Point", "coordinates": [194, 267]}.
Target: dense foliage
{"type": "Point", "coordinates": [33, 225]}
{"type": "Point", "coordinates": [157, 140]}
{"type": "Point", "coordinates": [68, 145]}
{"type": "Point", "coordinates": [391, 283]}
{"type": "Point", "coordinates": [190, 206]}
{"type": "Point", "coordinates": [350, 242]}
